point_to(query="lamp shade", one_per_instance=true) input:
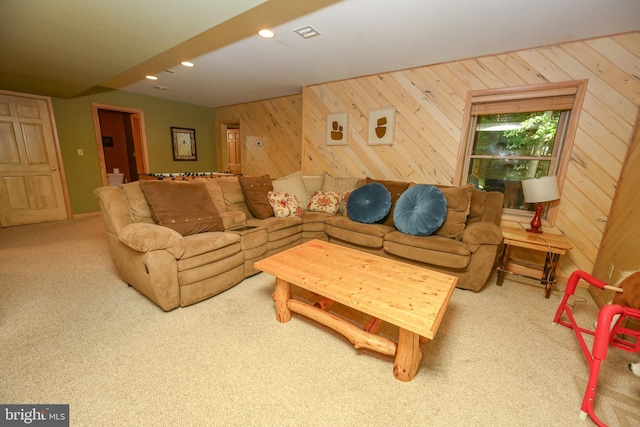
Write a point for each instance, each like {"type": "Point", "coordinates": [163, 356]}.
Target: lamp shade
{"type": "Point", "coordinates": [542, 189]}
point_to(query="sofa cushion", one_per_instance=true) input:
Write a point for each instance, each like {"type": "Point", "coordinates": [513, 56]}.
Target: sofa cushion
{"type": "Point", "coordinates": [209, 246]}
{"type": "Point", "coordinates": [255, 189]}
{"type": "Point", "coordinates": [325, 201]}
{"type": "Point", "coordinates": [396, 188]}
{"type": "Point", "coordinates": [339, 185]}
{"type": "Point", "coordinates": [137, 202]}
{"type": "Point", "coordinates": [318, 218]}
{"type": "Point", "coordinates": [284, 204]}
{"type": "Point", "coordinates": [420, 210]}
{"type": "Point", "coordinates": [183, 206]}
{"type": "Point", "coordinates": [232, 219]}
{"type": "Point", "coordinates": [369, 203]}
{"type": "Point", "coordinates": [430, 250]}
{"type": "Point", "coordinates": [356, 233]}
{"type": "Point", "coordinates": [215, 192]}
{"type": "Point", "coordinates": [275, 226]}
{"type": "Point", "coordinates": [313, 183]}
{"type": "Point", "coordinates": [485, 206]}
{"type": "Point", "coordinates": [293, 184]}
{"type": "Point", "coordinates": [458, 205]}
{"type": "Point", "coordinates": [233, 196]}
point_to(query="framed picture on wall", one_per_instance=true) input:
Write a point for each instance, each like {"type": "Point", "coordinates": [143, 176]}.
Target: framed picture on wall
{"type": "Point", "coordinates": [382, 126]}
{"type": "Point", "coordinates": [338, 129]}
{"type": "Point", "coordinates": [184, 143]}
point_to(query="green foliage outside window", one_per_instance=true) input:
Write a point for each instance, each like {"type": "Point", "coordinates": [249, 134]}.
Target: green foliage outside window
{"type": "Point", "coordinates": [537, 130]}
{"type": "Point", "coordinates": [508, 148]}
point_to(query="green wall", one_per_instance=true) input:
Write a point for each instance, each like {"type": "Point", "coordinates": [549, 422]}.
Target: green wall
{"type": "Point", "coordinates": [74, 122]}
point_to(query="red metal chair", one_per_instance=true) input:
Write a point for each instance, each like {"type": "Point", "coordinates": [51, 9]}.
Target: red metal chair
{"type": "Point", "coordinates": [605, 334]}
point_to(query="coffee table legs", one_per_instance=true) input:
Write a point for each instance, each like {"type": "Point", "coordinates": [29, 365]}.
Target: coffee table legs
{"type": "Point", "coordinates": [408, 355]}
{"type": "Point", "coordinates": [408, 352]}
{"type": "Point", "coordinates": [281, 295]}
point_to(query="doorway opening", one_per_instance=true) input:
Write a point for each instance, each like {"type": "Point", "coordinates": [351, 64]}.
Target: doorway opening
{"type": "Point", "coordinates": [229, 150]}
{"type": "Point", "coordinates": [234, 148]}
{"type": "Point", "coordinates": [121, 140]}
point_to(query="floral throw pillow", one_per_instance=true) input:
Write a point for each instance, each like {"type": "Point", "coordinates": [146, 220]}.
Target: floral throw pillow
{"type": "Point", "coordinates": [284, 204]}
{"type": "Point", "coordinates": [343, 202]}
{"type": "Point", "coordinates": [325, 201]}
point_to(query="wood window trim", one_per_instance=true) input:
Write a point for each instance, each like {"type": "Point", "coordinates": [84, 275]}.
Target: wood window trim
{"type": "Point", "coordinates": [561, 89]}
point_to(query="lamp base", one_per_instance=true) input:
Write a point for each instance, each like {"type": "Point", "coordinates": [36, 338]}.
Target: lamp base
{"type": "Point", "coordinates": [536, 222]}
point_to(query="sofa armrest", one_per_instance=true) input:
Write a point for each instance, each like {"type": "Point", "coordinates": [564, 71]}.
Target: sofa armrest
{"type": "Point", "coordinates": [481, 233]}
{"type": "Point", "coordinates": [144, 237]}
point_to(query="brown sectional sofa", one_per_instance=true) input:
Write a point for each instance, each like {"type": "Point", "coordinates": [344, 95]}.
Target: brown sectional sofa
{"type": "Point", "coordinates": [173, 270]}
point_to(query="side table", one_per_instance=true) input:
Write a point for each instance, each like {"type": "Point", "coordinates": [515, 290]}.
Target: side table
{"type": "Point", "coordinates": [553, 245]}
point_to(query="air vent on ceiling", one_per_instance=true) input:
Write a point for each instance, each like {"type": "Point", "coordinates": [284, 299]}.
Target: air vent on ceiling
{"type": "Point", "coordinates": [307, 32]}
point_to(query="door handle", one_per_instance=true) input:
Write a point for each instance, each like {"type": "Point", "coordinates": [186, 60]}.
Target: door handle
{"type": "Point", "coordinates": [54, 168]}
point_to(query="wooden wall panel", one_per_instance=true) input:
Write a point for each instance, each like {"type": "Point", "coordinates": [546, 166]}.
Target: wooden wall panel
{"type": "Point", "coordinates": [430, 103]}
{"type": "Point", "coordinates": [620, 243]}
{"type": "Point", "coordinates": [277, 123]}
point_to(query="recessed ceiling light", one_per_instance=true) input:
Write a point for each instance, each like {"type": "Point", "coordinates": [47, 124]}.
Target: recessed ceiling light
{"type": "Point", "coordinates": [188, 64]}
{"type": "Point", "coordinates": [267, 34]}
{"type": "Point", "coordinates": [151, 77]}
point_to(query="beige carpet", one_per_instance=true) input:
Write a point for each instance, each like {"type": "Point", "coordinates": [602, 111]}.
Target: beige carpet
{"type": "Point", "coordinates": [72, 332]}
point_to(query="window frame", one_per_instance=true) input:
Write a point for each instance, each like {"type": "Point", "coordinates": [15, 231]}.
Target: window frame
{"type": "Point", "coordinates": [525, 94]}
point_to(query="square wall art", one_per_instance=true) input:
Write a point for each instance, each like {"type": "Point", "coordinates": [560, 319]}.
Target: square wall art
{"type": "Point", "coordinates": [382, 126]}
{"type": "Point", "coordinates": [338, 129]}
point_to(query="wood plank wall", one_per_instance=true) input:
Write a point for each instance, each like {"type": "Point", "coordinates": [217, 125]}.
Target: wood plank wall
{"type": "Point", "coordinates": [430, 104]}
{"type": "Point", "coordinates": [620, 242]}
{"type": "Point", "coordinates": [277, 123]}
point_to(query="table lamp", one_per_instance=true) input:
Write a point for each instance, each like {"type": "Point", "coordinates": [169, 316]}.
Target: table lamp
{"type": "Point", "coordinates": [539, 191]}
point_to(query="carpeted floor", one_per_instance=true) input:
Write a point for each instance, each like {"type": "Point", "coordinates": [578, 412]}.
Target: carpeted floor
{"type": "Point", "coordinates": [72, 332]}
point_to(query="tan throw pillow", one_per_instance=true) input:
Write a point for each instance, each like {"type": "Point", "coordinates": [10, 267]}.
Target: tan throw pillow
{"type": "Point", "coordinates": [292, 184]}
{"type": "Point", "coordinates": [255, 190]}
{"type": "Point", "coordinates": [137, 202]}
{"type": "Point", "coordinates": [339, 185]}
{"type": "Point", "coordinates": [182, 206]}
{"type": "Point", "coordinates": [215, 192]}
{"type": "Point", "coordinates": [313, 183]}
{"type": "Point", "coordinates": [325, 201]}
{"type": "Point", "coordinates": [232, 194]}
{"type": "Point", "coordinates": [284, 204]}
{"type": "Point", "coordinates": [396, 188]}
{"type": "Point", "coordinates": [458, 205]}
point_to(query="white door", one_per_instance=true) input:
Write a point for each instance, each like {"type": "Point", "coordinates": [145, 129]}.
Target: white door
{"type": "Point", "coordinates": [31, 187]}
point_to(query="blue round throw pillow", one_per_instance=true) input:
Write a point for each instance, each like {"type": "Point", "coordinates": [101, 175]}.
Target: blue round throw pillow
{"type": "Point", "coordinates": [369, 203]}
{"type": "Point", "coordinates": [420, 210]}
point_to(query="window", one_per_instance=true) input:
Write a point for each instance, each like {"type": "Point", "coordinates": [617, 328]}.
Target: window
{"type": "Point", "coordinates": [515, 135]}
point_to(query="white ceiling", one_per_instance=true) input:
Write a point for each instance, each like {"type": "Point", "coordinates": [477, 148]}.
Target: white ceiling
{"type": "Point", "coordinates": [358, 37]}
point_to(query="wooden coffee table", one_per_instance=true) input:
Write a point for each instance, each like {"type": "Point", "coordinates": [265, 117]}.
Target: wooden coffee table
{"type": "Point", "coordinates": [410, 297]}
